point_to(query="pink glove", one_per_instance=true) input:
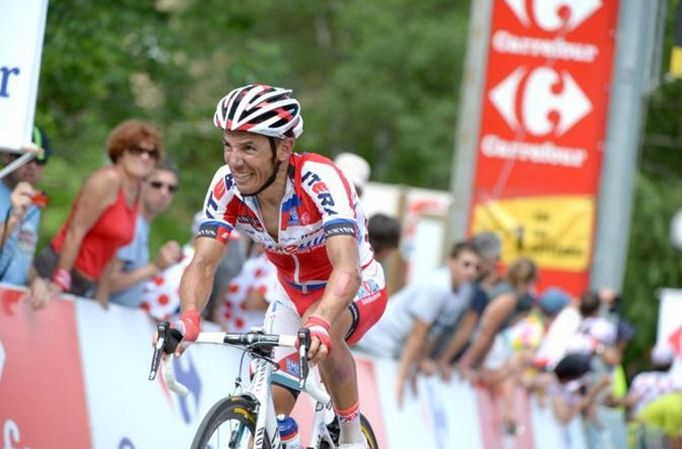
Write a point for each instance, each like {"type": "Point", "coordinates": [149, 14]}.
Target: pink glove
{"type": "Point", "coordinates": [189, 325]}
{"type": "Point", "coordinates": [319, 327]}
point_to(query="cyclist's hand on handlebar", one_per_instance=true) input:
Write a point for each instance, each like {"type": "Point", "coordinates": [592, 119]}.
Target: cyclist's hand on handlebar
{"type": "Point", "coordinates": [185, 330]}
{"type": "Point", "coordinates": [320, 341]}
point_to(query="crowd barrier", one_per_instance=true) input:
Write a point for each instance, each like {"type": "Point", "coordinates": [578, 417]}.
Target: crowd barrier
{"type": "Point", "coordinates": [74, 376]}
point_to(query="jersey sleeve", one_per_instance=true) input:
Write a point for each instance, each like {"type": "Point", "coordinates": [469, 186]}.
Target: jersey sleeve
{"type": "Point", "coordinates": [219, 213]}
{"type": "Point", "coordinates": [333, 196]}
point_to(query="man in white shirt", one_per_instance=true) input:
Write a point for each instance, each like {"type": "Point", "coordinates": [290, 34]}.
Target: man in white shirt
{"type": "Point", "coordinates": [417, 316]}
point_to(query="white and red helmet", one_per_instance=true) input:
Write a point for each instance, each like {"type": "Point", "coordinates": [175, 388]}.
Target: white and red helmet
{"type": "Point", "coordinates": [260, 109]}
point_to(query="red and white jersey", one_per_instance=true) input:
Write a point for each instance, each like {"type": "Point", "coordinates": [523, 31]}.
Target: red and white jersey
{"type": "Point", "coordinates": [319, 202]}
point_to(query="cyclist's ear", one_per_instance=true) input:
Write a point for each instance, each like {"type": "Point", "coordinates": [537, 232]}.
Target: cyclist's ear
{"type": "Point", "coordinates": [285, 148]}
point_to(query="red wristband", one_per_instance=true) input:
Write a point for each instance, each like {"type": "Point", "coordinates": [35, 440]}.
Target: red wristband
{"type": "Point", "coordinates": [61, 278]}
{"type": "Point", "coordinates": [319, 327]}
{"type": "Point", "coordinates": [189, 324]}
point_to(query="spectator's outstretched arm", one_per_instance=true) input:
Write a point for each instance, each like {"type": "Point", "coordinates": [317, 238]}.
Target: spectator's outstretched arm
{"type": "Point", "coordinates": [463, 333]}
{"type": "Point", "coordinates": [169, 254]}
{"type": "Point", "coordinates": [566, 412]}
{"type": "Point", "coordinates": [491, 322]}
{"type": "Point", "coordinates": [410, 355]}
{"type": "Point", "coordinates": [20, 200]}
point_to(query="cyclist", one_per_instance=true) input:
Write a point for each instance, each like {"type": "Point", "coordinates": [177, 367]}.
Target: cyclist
{"type": "Point", "coordinates": [307, 216]}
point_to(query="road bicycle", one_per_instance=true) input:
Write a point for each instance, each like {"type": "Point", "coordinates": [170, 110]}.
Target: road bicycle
{"type": "Point", "coordinates": [247, 418]}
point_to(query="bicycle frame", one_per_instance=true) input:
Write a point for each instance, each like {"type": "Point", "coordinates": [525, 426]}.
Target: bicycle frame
{"type": "Point", "coordinates": [260, 392]}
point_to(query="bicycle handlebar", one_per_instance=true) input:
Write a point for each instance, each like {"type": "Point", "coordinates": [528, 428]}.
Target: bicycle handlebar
{"type": "Point", "coordinates": [168, 339]}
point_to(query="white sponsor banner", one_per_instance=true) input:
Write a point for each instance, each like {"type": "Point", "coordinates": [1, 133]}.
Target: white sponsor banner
{"type": "Point", "coordinates": [128, 411]}
{"type": "Point", "coordinates": [22, 26]}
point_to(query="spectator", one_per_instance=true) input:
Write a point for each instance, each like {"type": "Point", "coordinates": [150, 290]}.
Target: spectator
{"type": "Point", "coordinates": [649, 386]}
{"type": "Point", "coordinates": [80, 257]}
{"type": "Point", "coordinates": [355, 168]}
{"type": "Point", "coordinates": [160, 296]}
{"type": "Point", "coordinates": [489, 284]}
{"type": "Point", "coordinates": [665, 414]}
{"type": "Point", "coordinates": [20, 206]}
{"type": "Point", "coordinates": [384, 235]}
{"type": "Point", "coordinates": [417, 315]}
{"type": "Point", "coordinates": [572, 398]}
{"type": "Point", "coordinates": [504, 311]}
{"type": "Point", "coordinates": [132, 266]}
{"type": "Point", "coordinates": [594, 334]}
{"type": "Point", "coordinates": [611, 309]}
{"type": "Point", "coordinates": [244, 300]}
{"type": "Point", "coordinates": [491, 348]}
{"type": "Point", "coordinates": [384, 238]}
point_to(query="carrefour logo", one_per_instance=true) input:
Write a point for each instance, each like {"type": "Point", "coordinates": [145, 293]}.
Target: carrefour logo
{"type": "Point", "coordinates": [528, 101]}
{"type": "Point", "coordinates": [553, 15]}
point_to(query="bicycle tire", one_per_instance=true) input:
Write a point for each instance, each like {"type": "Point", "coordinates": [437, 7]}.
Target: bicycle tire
{"type": "Point", "coordinates": [365, 427]}
{"type": "Point", "coordinates": [233, 408]}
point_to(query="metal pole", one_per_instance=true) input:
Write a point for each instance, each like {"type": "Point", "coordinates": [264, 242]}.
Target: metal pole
{"type": "Point", "coordinates": [468, 124]}
{"type": "Point", "coordinates": [636, 42]}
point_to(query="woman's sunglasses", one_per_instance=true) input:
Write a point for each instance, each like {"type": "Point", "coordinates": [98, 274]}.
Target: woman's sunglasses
{"type": "Point", "coordinates": [138, 150]}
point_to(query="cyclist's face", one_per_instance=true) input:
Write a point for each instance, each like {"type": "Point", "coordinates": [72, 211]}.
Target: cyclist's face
{"type": "Point", "coordinates": [250, 158]}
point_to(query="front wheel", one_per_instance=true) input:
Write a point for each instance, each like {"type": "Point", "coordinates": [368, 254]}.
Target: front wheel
{"type": "Point", "coordinates": [229, 424]}
{"type": "Point", "coordinates": [365, 427]}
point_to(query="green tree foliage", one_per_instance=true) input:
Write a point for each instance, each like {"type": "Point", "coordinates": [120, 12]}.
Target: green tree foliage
{"type": "Point", "coordinates": [378, 78]}
{"type": "Point", "coordinates": [652, 262]}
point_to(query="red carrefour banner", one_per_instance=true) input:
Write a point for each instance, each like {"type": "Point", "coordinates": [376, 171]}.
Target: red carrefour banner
{"type": "Point", "coordinates": [542, 132]}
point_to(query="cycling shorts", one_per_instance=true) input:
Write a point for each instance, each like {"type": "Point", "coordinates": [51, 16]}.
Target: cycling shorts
{"type": "Point", "coordinates": [283, 317]}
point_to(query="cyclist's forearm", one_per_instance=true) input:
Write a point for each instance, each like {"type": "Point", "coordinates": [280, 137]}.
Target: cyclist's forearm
{"type": "Point", "coordinates": [195, 287]}
{"type": "Point", "coordinates": [341, 289]}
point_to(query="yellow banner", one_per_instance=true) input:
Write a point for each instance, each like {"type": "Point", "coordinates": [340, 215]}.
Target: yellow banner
{"type": "Point", "coordinates": [556, 231]}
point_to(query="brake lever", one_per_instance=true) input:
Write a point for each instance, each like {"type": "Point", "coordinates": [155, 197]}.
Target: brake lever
{"type": "Point", "coordinates": [161, 329]}
{"type": "Point", "coordinates": [303, 345]}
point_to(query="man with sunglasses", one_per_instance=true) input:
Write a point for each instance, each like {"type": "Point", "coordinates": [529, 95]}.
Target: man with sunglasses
{"type": "Point", "coordinates": [132, 266]}
{"type": "Point", "coordinates": [418, 316]}
{"type": "Point", "coordinates": [20, 212]}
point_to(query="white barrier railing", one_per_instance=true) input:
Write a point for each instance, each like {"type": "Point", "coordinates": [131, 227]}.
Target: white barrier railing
{"type": "Point", "coordinates": [75, 375]}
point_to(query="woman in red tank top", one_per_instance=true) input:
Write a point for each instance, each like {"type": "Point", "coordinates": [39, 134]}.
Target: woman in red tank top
{"type": "Point", "coordinates": [102, 219]}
